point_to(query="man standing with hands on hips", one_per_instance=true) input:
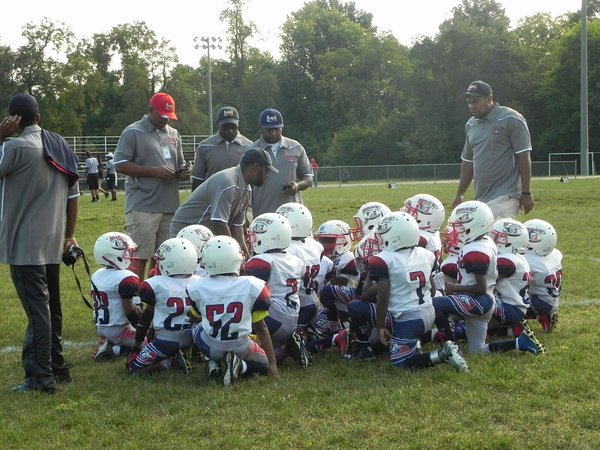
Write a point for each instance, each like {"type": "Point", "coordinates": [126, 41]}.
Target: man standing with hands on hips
{"type": "Point", "coordinates": [289, 157]}
{"type": "Point", "coordinates": [496, 155]}
{"type": "Point", "coordinates": [149, 153]}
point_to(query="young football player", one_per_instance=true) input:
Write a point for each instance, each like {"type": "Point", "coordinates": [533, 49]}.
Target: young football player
{"type": "Point", "coordinates": [545, 261]}
{"type": "Point", "coordinates": [199, 236]}
{"type": "Point", "coordinates": [167, 306]}
{"type": "Point", "coordinates": [403, 273]}
{"type": "Point", "coordinates": [270, 234]}
{"type": "Point", "coordinates": [512, 299]}
{"type": "Point", "coordinates": [113, 288]}
{"type": "Point", "coordinates": [227, 307]}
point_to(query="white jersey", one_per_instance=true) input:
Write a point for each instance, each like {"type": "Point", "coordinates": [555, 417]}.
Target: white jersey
{"type": "Point", "coordinates": [325, 271]}
{"type": "Point", "coordinates": [310, 252]}
{"type": "Point", "coordinates": [201, 271]}
{"type": "Point", "coordinates": [283, 274]}
{"type": "Point", "coordinates": [513, 280]}
{"type": "Point", "coordinates": [431, 241]}
{"type": "Point", "coordinates": [344, 266]}
{"type": "Point", "coordinates": [113, 286]}
{"type": "Point", "coordinates": [449, 266]}
{"type": "Point", "coordinates": [546, 275]}
{"type": "Point", "coordinates": [171, 304]}
{"type": "Point", "coordinates": [479, 257]}
{"type": "Point", "coordinates": [409, 272]}
{"type": "Point", "coordinates": [226, 304]}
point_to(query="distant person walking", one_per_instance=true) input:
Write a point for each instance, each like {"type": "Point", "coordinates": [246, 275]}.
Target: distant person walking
{"type": "Point", "coordinates": [91, 175]}
{"type": "Point", "coordinates": [111, 177]}
{"type": "Point", "coordinates": [314, 165]}
{"type": "Point", "coordinates": [496, 155]}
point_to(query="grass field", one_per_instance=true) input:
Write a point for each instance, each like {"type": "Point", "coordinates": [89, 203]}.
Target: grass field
{"type": "Point", "coordinates": [507, 401]}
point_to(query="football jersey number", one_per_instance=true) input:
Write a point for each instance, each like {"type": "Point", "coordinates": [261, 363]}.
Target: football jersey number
{"type": "Point", "coordinates": [420, 277]}
{"type": "Point", "coordinates": [308, 278]}
{"type": "Point", "coordinates": [101, 311]}
{"type": "Point", "coordinates": [217, 325]}
{"type": "Point", "coordinates": [293, 284]}
{"type": "Point", "coordinates": [179, 304]}
{"type": "Point", "coordinates": [554, 280]}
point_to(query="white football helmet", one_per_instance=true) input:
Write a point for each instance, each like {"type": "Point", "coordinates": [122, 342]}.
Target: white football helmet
{"type": "Point", "coordinates": [542, 237]}
{"type": "Point", "coordinates": [468, 221]}
{"type": "Point", "coordinates": [269, 231]}
{"type": "Point", "coordinates": [510, 236]}
{"type": "Point", "coordinates": [221, 255]}
{"type": "Point", "coordinates": [397, 230]}
{"type": "Point", "coordinates": [448, 247]}
{"type": "Point", "coordinates": [197, 235]}
{"type": "Point", "coordinates": [427, 210]}
{"type": "Point", "coordinates": [368, 246]}
{"type": "Point", "coordinates": [176, 256]}
{"type": "Point", "coordinates": [114, 250]}
{"type": "Point", "coordinates": [367, 217]}
{"type": "Point", "coordinates": [334, 235]}
{"type": "Point", "coordinates": [299, 217]}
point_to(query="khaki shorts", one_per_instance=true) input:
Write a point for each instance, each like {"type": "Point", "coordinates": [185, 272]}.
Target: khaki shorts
{"type": "Point", "coordinates": [504, 206]}
{"type": "Point", "coordinates": [148, 231]}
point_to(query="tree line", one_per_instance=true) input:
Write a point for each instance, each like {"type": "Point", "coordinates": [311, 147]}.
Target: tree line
{"type": "Point", "coordinates": [351, 94]}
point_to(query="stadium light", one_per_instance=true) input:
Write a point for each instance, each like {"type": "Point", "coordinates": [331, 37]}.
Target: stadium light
{"type": "Point", "coordinates": [206, 43]}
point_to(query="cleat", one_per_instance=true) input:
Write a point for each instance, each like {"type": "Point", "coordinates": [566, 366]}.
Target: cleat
{"type": "Point", "coordinates": [341, 341]}
{"type": "Point", "coordinates": [213, 370]}
{"type": "Point", "coordinates": [233, 367]}
{"type": "Point", "coordinates": [545, 322]}
{"type": "Point", "coordinates": [181, 362]}
{"type": "Point", "coordinates": [518, 329]}
{"type": "Point", "coordinates": [450, 354]}
{"type": "Point", "coordinates": [528, 342]}
{"type": "Point", "coordinates": [440, 337]}
{"type": "Point", "coordinates": [554, 319]}
{"type": "Point", "coordinates": [104, 351]}
{"type": "Point", "coordinates": [364, 353]}
{"type": "Point", "coordinates": [296, 348]}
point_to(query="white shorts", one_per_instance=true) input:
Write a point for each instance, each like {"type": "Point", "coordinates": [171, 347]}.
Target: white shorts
{"type": "Point", "coordinates": [504, 206]}
{"type": "Point", "coordinates": [148, 231]}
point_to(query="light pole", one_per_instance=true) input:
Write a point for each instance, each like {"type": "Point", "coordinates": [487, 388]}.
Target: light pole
{"type": "Point", "coordinates": [208, 43]}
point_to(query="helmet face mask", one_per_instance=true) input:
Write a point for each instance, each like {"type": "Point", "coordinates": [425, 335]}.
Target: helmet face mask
{"type": "Point", "coordinates": [428, 211]}
{"type": "Point", "coordinates": [397, 230]}
{"type": "Point", "coordinates": [510, 236]}
{"type": "Point", "coordinates": [334, 235]}
{"type": "Point", "coordinates": [450, 242]}
{"type": "Point", "coordinates": [367, 217]}
{"type": "Point", "coordinates": [222, 255]}
{"type": "Point", "coordinates": [197, 235]}
{"type": "Point", "coordinates": [269, 231]}
{"type": "Point", "coordinates": [470, 220]}
{"type": "Point", "coordinates": [114, 249]}
{"type": "Point", "coordinates": [299, 217]}
{"type": "Point", "coordinates": [176, 256]}
{"type": "Point", "coordinates": [542, 237]}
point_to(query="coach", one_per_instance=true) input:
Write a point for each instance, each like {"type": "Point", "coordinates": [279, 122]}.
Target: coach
{"type": "Point", "coordinates": [221, 202]}
{"type": "Point", "coordinates": [496, 155]}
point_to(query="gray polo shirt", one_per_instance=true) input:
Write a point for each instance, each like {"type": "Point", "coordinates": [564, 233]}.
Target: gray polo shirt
{"type": "Point", "coordinates": [293, 164]}
{"type": "Point", "coordinates": [143, 144]}
{"type": "Point", "coordinates": [33, 202]}
{"type": "Point", "coordinates": [492, 145]}
{"type": "Point", "coordinates": [215, 154]}
{"type": "Point", "coordinates": [223, 197]}
{"type": "Point", "coordinates": [91, 166]}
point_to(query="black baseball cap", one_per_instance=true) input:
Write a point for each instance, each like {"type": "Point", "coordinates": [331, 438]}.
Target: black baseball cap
{"type": "Point", "coordinates": [479, 89]}
{"type": "Point", "coordinates": [259, 156]}
{"type": "Point", "coordinates": [23, 105]}
{"type": "Point", "coordinates": [228, 114]}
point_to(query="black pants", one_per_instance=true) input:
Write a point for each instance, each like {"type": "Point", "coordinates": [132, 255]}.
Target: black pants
{"type": "Point", "coordinates": [38, 288]}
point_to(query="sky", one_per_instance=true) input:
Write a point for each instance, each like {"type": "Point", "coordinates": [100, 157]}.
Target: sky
{"type": "Point", "coordinates": [406, 19]}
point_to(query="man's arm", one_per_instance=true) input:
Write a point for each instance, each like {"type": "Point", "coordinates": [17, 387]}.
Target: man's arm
{"type": "Point", "coordinates": [136, 170]}
{"type": "Point", "coordinates": [466, 176]}
{"type": "Point", "coordinates": [300, 185]}
{"type": "Point", "coordinates": [383, 296]}
{"type": "Point", "coordinates": [239, 234]}
{"type": "Point", "coordinates": [526, 203]}
{"type": "Point", "coordinates": [72, 210]}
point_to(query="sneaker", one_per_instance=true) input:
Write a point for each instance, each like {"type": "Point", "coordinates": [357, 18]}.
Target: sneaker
{"type": "Point", "coordinates": [528, 342]}
{"type": "Point", "coordinates": [26, 387]}
{"type": "Point", "coordinates": [233, 367]}
{"type": "Point", "coordinates": [518, 329]}
{"type": "Point", "coordinates": [181, 363]}
{"type": "Point", "coordinates": [104, 351]}
{"type": "Point", "coordinates": [213, 370]}
{"type": "Point", "coordinates": [341, 341]}
{"type": "Point", "coordinates": [364, 353]}
{"type": "Point", "coordinates": [106, 195]}
{"type": "Point", "coordinates": [450, 354]}
{"type": "Point", "coordinates": [297, 350]}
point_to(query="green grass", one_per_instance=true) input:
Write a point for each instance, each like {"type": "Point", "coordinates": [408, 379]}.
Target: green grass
{"type": "Point", "coordinates": [508, 401]}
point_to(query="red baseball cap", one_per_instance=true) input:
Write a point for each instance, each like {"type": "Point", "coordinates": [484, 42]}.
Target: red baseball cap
{"type": "Point", "coordinates": [164, 105]}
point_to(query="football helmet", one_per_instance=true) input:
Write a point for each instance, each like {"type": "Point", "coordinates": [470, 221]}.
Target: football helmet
{"type": "Point", "coordinates": [367, 217]}
{"type": "Point", "coordinates": [176, 256]}
{"type": "Point", "coordinates": [468, 221]}
{"type": "Point", "coordinates": [510, 236]}
{"type": "Point", "coordinates": [446, 236]}
{"type": "Point", "coordinates": [114, 250]}
{"type": "Point", "coordinates": [427, 210]}
{"type": "Point", "coordinates": [221, 255]}
{"type": "Point", "coordinates": [269, 231]}
{"type": "Point", "coordinates": [334, 235]}
{"type": "Point", "coordinates": [542, 237]}
{"type": "Point", "coordinates": [368, 246]}
{"type": "Point", "coordinates": [197, 235]}
{"type": "Point", "coordinates": [397, 230]}
{"type": "Point", "coordinates": [299, 217]}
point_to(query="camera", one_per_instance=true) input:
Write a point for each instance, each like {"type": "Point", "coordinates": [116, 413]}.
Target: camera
{"type": "Point", "coordinates": [71, 255]}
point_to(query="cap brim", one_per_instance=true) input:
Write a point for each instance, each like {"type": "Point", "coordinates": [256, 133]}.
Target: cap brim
{"type": "Point", "coordinates": [169, 115]}
{"type": "Point", "coordinates": [224, 121]}
{"type": "Point", "coordinates": [272, 169]}
{"type": "Point", "coordinates": [476, 94]}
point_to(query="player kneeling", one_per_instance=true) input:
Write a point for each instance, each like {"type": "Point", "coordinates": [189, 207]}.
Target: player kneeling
{"type": "Point", "coordinates": [167, 306]}
{"type": "Point", "coordinates": [402, 271]}
{"type": "Point", "coordinates": [229, 306]}
{"type": "Point", "coordinates": [113, 288]}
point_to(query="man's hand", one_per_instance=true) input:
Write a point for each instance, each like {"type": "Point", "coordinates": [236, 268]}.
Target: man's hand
{"type": "Point", "coordinates": [458, 200]}
{"type": "Point", "coordinates": [291, 188]}
{"type": "Point", "coordinates": [9, 126]}
{"type": "Point", "coordinates": [184, 173]}
{"type": "Point", "coordinates": [165, 173]}
{"type": "Point", "coordinates": [526, 203]}
{"type": "Point", "coordinates": [385, 336]}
